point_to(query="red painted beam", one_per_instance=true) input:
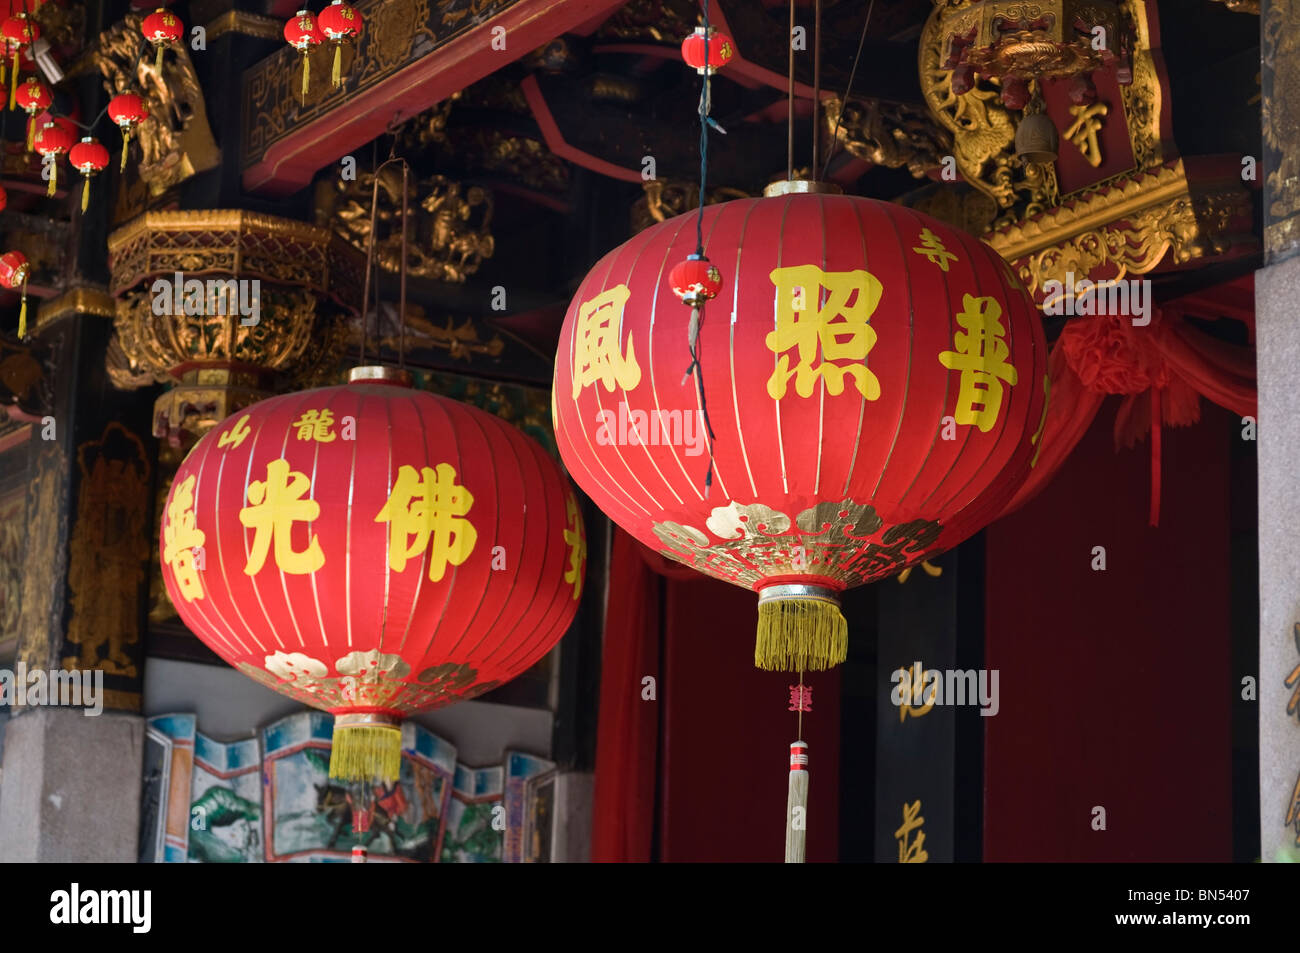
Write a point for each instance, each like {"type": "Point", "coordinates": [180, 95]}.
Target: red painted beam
{"type": "Point", "coordinates": [289, 164]}
{"type": "Point", "coordinates": [555, 139]}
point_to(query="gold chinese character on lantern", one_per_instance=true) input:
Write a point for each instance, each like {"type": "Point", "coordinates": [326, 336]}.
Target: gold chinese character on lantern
{"type": "Point", "coordinates": [932, 248]}
{"type": "Point", "coordinates": [183, 540]}
{"type": "Point", "coordinates": [315, 425]}
{"type": "Point", "coordinates": [596, 352]}
{"type": "Point", "coordinates": [233, 437]}
{"type": "Point", "coordinates": [276, 504]}
{"type": "Point", "coordinates": [429, 506]}
{"type": "Point", "coordinates": [1083, 131]}
{"type": "Point", "coordinates": [824, 315]}
{"type": "Point", "coordinates": [577, 543]}
{"type": "Point", "coordinates": [981, 356]}
{"type": "Point", "coordinates": [911, 851]}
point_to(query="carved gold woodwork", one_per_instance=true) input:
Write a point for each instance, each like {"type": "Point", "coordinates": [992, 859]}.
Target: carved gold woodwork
{"type": "Point", "coordinates": [1281, 51]}
{"type": "Point", "coordinates": [1241, 6]}
{"type": "Point", "coordinates": [1128, 227]}
{"type": "Point", "coordinates": [47, 515]}
{"type": "Point", "coordinates": [1030, 39]}
{"type": "Point", "coordinates": [460, 341]}
{"type": "Point", "coordinates": [13, 522]}
{"type": "Point", "coordinates": [888, 134]}
{"type": "Point", "coordinates": [449, 232]}
{"type": "Point", "coordinates": [665, 199]}
{"type": "Point", "coordinates": [222, 359]}
{"type": "Point", "coordinates": [76, 301]}
{"type": "Point", "coordinates": [175, 141]}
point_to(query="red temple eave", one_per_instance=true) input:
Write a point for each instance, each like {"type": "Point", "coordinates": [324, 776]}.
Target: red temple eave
{"type": "Point", "coordinates": [290, 163]}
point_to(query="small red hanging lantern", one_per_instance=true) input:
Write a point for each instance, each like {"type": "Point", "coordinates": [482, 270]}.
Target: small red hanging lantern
{"type": "Point", "coordinates": [304, 35]}
{"type": "Point", "coordinates": [19, 32]}
{"type": "Point", "coordinates": [89, 158]}
{"type": "Point", "coordinates": [14, 269]}
{"type": "Point", "coordinates": [33, 97]}
{"type": "Point", "coordinates": [340, 23]}
{"type": "Point", "coordinates": [53, 140]}
{"type": "Point", "coordinates": [161, 28]}
{"type": "Point", "coordinates": [720, 51]}
{"type": "Point", "coordinates": [695, 280]}
{"type": "Point", "coordinates": [127, 111]}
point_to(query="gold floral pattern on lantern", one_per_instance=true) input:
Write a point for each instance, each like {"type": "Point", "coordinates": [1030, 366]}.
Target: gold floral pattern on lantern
{"type": "Point", "coordinates": [841, 541]}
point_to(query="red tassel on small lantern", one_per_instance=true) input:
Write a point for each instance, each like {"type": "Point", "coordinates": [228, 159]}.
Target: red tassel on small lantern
{"type": "Point", "coordinates": [161, 28]}
{"type": "Point", "coordinates": [127, 111]}
{"type": "Point", "coordinates": [721, 50]}
{"type": "Point", "coordinates": [304, 35]}
{"type": "Point", "coordinates": [13, 274]}
{"type": "Point", "coordinates": [34, 98]}
{"type": "Point", "coordinates": [340, 23]}
{"type": "Point", "coordinates": [19, 33]}
{"type": "Point", "coordinates": [54, 140]}
{"type": "Point", "coordinates": [89, 158]}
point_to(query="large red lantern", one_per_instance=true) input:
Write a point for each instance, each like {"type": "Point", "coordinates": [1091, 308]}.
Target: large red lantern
{"type": "Point", "coordinates": [304, 35]}
{"type": "Point", "coordinates": [127, 111]}
{"type": "Point", "coordinates": [873, 380]}
{"type": "Point", "coordinates": [53, 140]}
{"type": "Point", "coordinates": [14, 270]}
{"type": "Point", "coordinates": [162, 28]}
{"type": "Point", "coordinates": [340, 22]}
{"type": "Point", "coordinates": [372, 550]}
{"type": "Point", "coordinates": [89, 158]}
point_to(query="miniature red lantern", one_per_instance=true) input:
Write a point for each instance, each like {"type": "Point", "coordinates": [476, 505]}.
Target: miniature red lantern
{"type": "Point", "coordinates": [53, 140]}
{"type": "Point", "coordinates": [89, 158]}
{"type": "Point", "coordinates": [127, 111]}
{"type": "Point", "coordinates": [340, 23]}
{"type": "Point", "coordinates": [33, 98]}
{"type": "Point", "coordinates": [720, 50]}
{"type": "Point", "coordinates": [695, 280]}
{"type": "Point", "coordinates": [872, 399]}
{"type": "Point", "coordinates": [372, 550]}
{"type": "Point", "coordinates": [161, 28]}
{"type": "Point", "coordinates": [304, 36]}
{"type": "Point", "coordinates": [20, 32]}
{"type": "Point", "coordinates": [13, 274]}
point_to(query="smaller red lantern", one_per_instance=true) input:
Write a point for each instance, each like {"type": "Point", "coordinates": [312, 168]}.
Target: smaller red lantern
{"type": "Point", "coordinates": [89, 158]}
{"type": "Point", "coordinates": [52, 141]}
{"type": "Point", "coordinates": [340, 23]}
{"type": "Point", "coordinates": [161, 28]}
{"type": "Point", "coordinates": [13, 274]}
{"type": "Point", "coordinates": [695, 280]}
{"type": "Point", "coordinates": [127, 111]}
{"type": "Point", "coordinates": [720, 51]}
{"type": "Point", "coordinates": [19, 32]}
{"type": "Point", "coordinates": [33, 98]}
{"type": "Point", "coordinates": [304, 35]}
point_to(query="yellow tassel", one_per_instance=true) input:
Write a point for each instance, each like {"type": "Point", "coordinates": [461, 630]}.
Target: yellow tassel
{"type": "Point", "coordinates": [306, 75]}
{"type": "Point", "coordinates": [366, 753]}
{"type": "Point", "coordinates": [31, 134]}
{"type": "Point", "coordinates": [85, 194]}
{"type": "Point", "coordinates": [800, 634]}
{"type": "Point", "coordinates": [54, 177]}
{"type": "Point", "coordinates": [22, 313]}
{"type": "Point", "coordinates": [126, 146]}
{"type": "Point", "coordinates": [13, 87]}
{"type": "Point", "coordinates": [336, 76]}
{"type": "Point", "coordinates": [157, 61]}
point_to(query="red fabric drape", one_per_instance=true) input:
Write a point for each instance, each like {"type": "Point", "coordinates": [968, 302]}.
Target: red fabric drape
{"type": "Point", "coordinates": [1170, 361]}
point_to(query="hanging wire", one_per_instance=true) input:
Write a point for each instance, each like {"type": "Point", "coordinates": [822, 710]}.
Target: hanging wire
{"type": "Point", "coordinates": [789, 120]}
{"type": "Point", "coordinates": [844, 102]}
{"type": "Point", "coordinates": [817, 84]}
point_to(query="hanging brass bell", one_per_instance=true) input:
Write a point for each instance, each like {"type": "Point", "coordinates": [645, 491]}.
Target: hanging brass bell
{"type": "Point", "coordinates": [1036, 139]}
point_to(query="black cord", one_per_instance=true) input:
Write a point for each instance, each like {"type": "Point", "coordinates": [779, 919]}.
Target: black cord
{"type": "Point", "coordinates": [697, 316]}
{"type": "Point", "coordinates": [844, 103]}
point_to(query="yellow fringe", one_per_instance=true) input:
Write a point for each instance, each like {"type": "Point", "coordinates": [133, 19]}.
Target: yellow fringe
{"type": "Point", "coordinates": [800, 634]}
{"type": "Point", "coordinates": [13, 87]}
{"type": "Point", "coordinates": [85, 194]}
{"type": "Point", "coordinates": [337, 75]}
{"type": "Point", "coordinates": [54, 177]}
{"type": "Point", "coordinates": [126, 146]}
{"type": "Point", "coordinates": [22, 315]}
{"type": "Point", "coordinates": [31, 134]}
{"type": "Point", "coordinates": [157, 60]}
{"type": "Point", "coordinates": [366, 753]}
{"type": "Point", "coordinates": [306, 76]}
